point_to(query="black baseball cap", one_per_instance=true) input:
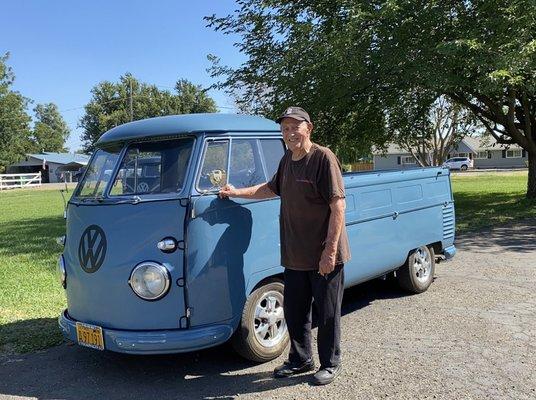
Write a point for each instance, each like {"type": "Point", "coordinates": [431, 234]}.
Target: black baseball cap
{"type": "Point", "coordinates": [297, 113]}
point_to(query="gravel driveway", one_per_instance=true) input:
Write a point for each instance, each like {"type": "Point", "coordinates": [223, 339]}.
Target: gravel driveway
{"type": "Point", "coordinates": [472, 335]}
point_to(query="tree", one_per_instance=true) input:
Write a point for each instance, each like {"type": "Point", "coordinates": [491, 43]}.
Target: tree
{"type": "Point", "coordinates": [14, 121]}
{"type": "Point", "coordinates": [429, 135]}
{"type": "Point", "coordinates": [350, 63]}
{"type": "Point", "coordinates": [113, 104]}
{"type": "Point", "coordinates": [193, 99]}
{"type": "Point", "coordinates": [50, 131]}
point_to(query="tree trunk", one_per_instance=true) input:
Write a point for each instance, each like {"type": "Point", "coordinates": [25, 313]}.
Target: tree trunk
{"type": "Point", "coordinates": [531, 185]}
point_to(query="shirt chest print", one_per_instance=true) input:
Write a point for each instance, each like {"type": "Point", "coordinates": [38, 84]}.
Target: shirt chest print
{"type": "Point", "coordinates": [304, 181]}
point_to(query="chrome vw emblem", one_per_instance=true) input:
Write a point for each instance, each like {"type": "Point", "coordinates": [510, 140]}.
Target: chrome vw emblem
{"type": "Point", "coordinates": [92, 248]}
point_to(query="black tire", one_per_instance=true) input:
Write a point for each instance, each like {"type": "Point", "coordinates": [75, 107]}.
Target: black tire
{"type": "Point", "coordinates": [408, 276]}
{"type": "Point", "coordinates": [463, 167]}
{"type": "Point", "coordinates": [245, 341]}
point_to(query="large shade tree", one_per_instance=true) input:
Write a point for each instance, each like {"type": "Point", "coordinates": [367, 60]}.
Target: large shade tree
{"type": "Point", "coordinates": [14, 120]}
{"type": "Point", "coordinates": [429, 132]}
{"type": "Point", "coordinates": [115, 103]}
{"type": "Point", "coordinates": [351, 61]}
{"type": "Point", "coordinates": [50, 130]}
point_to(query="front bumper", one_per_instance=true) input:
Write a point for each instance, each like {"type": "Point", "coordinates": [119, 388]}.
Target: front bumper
{"type": "Point", "coordinates": [153, 342]}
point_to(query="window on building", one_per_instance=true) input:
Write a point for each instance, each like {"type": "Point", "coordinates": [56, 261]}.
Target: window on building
{"type": "Point", "coordinates": [483, 154]}
{"type": "Point", "coordinates": [408, 160]}
{"type": "Point", "coordinates": [513, 154]}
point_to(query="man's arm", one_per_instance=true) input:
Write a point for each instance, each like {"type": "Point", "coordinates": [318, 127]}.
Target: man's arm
{"type": "Point", "coordinates": [261, 191]}
{"type": "Point", "coordinates": [336, 221]}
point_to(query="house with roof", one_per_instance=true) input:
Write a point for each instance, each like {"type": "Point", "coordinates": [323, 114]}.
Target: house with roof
{"type": "Point", "coordinates": [54, 167]}
{"type": "Point", "coordinates": [484, 151]}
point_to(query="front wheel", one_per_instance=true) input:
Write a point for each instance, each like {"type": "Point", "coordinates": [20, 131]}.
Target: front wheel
{"type": "Point", "coordinates": [463, 167]}
{"type": "Point", "coordinates": [262, 334]}
{"type": "Point", "coordinates": [417, 274]}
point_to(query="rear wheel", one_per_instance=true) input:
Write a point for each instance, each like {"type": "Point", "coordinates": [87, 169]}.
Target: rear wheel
{"type": "Point", "coordinates": [262, 334]}
{"type": "Point", "coordinates": [417, 274]}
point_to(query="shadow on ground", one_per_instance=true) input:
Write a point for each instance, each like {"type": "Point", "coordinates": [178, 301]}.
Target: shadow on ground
{"type": "Point", "coordinates": [31, 236]}
{"type": "Point", "coordinates": [29, 335]}
{"type": "Point", "coordinates": [518, 237]}
{"type": "Point", "coordinates": [72, 372]}
{"type": "Point", "coordinates": [478, 211]}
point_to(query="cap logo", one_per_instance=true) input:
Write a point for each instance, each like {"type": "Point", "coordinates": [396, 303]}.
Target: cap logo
{"type": "Point", "coordinates": [290, 110]}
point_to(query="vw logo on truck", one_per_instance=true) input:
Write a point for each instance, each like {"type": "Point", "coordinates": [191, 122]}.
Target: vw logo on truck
{"type": "Point", "coordinates": [92, 249]}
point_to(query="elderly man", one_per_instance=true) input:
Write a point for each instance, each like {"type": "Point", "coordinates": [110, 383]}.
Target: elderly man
{"type": "Point", "coordinates": [314, 244]}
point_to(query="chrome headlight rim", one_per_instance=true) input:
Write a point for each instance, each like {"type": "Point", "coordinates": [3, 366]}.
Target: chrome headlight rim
{"type": "Point", "coordinates": [160, 268]}
{"type": "Point", "coordinates": [62, 272]}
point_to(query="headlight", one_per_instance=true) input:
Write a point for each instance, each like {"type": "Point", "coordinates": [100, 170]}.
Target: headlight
{"type": "Point", "coordinates": [150, 280]}
{"type": "Point", "coordinates": [62, 274]}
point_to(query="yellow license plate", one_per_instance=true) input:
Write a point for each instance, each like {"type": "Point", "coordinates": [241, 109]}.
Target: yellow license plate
{"type": "Point", "coordinates": [90, 336]}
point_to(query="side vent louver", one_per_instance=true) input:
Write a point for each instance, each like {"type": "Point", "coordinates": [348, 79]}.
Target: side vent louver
{"type": "Point", "coordinates": [448, 221]}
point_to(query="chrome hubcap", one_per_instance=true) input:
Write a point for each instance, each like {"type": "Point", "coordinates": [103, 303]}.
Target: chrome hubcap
{"type": "Point", "coordinates": [269, 322]}
{"type": "Point", "coordinates": [422, 265]}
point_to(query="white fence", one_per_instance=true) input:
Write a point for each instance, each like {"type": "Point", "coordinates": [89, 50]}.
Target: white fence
{"type": "Point", "coordinates": [11, 181]}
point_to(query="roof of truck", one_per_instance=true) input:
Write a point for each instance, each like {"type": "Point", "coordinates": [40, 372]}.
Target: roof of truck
{"type": "Point", "coordinates": [188, 123]}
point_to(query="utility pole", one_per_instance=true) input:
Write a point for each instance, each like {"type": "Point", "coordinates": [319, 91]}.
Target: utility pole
{"type": "Point", "coordinates": [130, 99]}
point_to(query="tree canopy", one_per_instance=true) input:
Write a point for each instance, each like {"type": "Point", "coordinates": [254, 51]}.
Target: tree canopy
{"type": "Point", "coordinates": [115, 103]}
{"type": "Point", "coordinates": [17, 137]}
{"type": "Point", "coordinates": [50, 130]}
{"type": "Point", "coordinates": [350, 62]}
{"type": "Point", "coordinates": [14, 121]}
{"type": "Point", "coordinates": [431, 134]}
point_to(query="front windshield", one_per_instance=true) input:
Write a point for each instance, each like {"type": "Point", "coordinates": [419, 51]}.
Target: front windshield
{"type": "Point", "coordinates": [146, 168]}
{"type": "Point", "coordinates": [98, 173]}
{"type": "Point", "coordinates": [152, 168]}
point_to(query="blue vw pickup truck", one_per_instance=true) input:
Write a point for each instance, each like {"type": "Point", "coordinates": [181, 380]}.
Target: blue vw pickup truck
{"type": "Point", "coordinates": [155, 262]}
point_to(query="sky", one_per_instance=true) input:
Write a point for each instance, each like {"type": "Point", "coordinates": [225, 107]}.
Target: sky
{"type": "Point", "coordinates": [59, 50]}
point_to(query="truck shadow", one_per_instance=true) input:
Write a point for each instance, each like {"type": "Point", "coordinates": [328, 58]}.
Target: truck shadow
{"type": "Point", "coordinates": [72, 372]}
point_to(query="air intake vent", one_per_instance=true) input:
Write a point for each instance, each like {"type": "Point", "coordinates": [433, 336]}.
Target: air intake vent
{"type": "Point", "coordinates": [448, 221]}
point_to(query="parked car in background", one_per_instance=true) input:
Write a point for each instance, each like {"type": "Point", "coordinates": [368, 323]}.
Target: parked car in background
{"type": "Point", "coordinates": [461, 163]}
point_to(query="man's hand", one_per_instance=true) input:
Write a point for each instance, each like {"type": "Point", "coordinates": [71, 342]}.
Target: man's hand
{"type": "Point", "coordinates": [227, 191]}
{"type": "Point", "coordinates": [327, 263]}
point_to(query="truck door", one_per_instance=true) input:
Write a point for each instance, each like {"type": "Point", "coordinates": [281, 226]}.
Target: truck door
{"type": "Point", "coordinates": [230, 239]}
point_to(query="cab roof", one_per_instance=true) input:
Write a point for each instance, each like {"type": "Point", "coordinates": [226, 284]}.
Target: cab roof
{"type": "Point", "coordinates": [187, 123]}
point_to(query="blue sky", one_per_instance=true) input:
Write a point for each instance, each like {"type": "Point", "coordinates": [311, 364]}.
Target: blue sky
{"type": "Point", "coordinates": [61, 49]}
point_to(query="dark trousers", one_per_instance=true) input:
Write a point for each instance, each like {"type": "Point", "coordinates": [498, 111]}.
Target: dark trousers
{"type": "Point", "coordinates": [301, 287]}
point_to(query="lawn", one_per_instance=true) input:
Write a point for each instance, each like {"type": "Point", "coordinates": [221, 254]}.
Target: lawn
{"type": "Point", "coordinates": [31, 297]}
{"type": "Point", "coordinates": [487, 199]}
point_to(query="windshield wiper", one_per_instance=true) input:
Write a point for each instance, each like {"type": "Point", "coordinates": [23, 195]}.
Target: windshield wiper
{"type": "Point", "coordinates": [100, 199]}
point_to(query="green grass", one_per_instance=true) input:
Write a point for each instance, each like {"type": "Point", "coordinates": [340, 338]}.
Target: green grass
{"type": "Point", "coordinates": [487, 199]}
{"type": "Point", "coordinates": [31, 297]}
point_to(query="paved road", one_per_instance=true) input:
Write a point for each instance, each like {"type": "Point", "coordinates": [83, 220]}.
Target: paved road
{"type": "Point", "coordinates": [471, 336]}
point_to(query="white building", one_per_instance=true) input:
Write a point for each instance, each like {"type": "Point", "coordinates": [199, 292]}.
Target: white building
{"type": "Point", "coordinates": [485, 153]}
{"type": "Point", "coordinates": [54, 167]}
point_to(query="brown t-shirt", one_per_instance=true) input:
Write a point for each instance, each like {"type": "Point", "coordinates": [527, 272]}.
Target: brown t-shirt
{"type": "Point", "coordinates": [306, 188]}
